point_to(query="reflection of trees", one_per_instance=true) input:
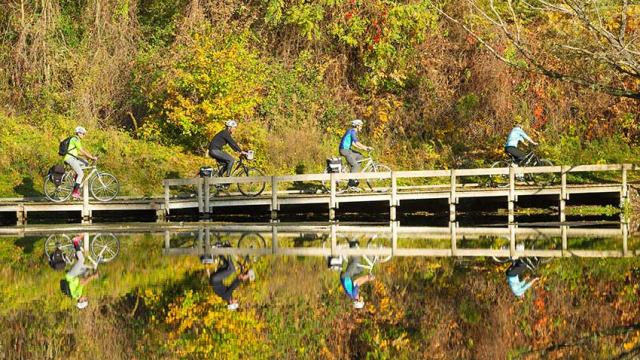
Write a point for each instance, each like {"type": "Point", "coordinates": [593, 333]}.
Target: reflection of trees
{"type": "Point", "coordinates": [589, 43]}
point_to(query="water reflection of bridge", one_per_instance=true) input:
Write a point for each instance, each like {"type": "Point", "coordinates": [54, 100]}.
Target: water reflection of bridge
{"type": "Point", "coordinates": [331, 239]}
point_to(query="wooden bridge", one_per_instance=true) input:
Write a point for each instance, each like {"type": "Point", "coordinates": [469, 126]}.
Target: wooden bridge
{"type": "Point", "coordinates": [325, 239]}
{"type": "Point", "coordinates": [331, 239]}
{"type": "Point", "coordinates": [451, 185]}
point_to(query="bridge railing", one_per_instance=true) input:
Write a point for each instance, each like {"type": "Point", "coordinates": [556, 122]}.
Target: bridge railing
{"type": "Point", "coordinates": [277, 186]}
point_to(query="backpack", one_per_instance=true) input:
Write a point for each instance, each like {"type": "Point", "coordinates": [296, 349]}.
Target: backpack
{"type": "Point", "coordinates": [63, 148]}
{"type": "Point", "coordinates": [64, 287]}
{"type": "Point", "coordinates": [56, 260]}
{"type": "Point", "coordinates": [56, 172]}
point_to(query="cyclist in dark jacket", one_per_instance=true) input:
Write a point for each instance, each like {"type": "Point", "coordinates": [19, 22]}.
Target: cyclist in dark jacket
{"type": "Point", "coordinates": [216, 280]}
{"type": "Point", "coordinates": [219, 141]}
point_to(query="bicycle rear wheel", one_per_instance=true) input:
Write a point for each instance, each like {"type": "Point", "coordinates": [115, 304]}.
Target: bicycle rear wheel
{"type": "Point", "coordinates": [341, 185]}
{"type": "Point", "coordinates": [541, 179]}
{"type": "Point", "coordinates": [105, 247]}
{"type": "Point", "coordinates": [376, 243]}
{"type": "Point", "coordinates": [58, 193]}
{"type": "Point", "coordinates": [104, 186]}
{"type": "Point", "coordinates": [379, 185]}
{"type": "Point", "coordinates": [500, 180]}
{"type": "Point", "coordinates": [253, 188]}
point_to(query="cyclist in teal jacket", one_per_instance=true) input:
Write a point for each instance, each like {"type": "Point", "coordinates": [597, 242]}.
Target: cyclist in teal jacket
{"type": "Point", "coordinates": [513, 273]}
{"type": "Point", "coordinates": [349, 143]}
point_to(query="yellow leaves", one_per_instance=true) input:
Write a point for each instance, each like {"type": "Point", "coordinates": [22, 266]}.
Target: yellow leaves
{"type": "Point", "coordinates": [633, 342]}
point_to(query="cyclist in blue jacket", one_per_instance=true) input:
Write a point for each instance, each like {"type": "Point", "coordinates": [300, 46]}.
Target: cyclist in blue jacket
{"type": "Point", "coordinates": [513, 273]}
{"type": "Point", "coordinates": [349, 143]}
{"type": "Point", "coordinates": [516, 136]}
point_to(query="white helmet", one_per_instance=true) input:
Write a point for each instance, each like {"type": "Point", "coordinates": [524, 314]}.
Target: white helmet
{"type": "Point", "coordinates": [358, 304]}
{"type": "Point", "coordinates": [82, 304]}
{"type": "Point", "coordinates": [231, 123]}
{"type": "Point", "coordinates": [357, 122]}
{"type": "Point", "coordinates": [81, 130]}
{"type": "Point", "coordinates": [233, 306]}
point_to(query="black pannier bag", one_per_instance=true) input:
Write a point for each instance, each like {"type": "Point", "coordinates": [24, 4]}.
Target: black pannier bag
{"type": "Point", "coordinates": [56, 173]}
{"type": "Point", "coordinates": [205, 171]}
{"type": "Point", "coordinates": [334, 165]}
{"type": "Point", "coordinates": [56, 260]}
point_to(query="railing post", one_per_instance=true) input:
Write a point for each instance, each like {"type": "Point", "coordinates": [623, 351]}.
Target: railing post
{"type": "Point", "coordinates": [275, 207]}
{"type": "Point", "coordinates": [274, 239]}
{"type": "Point", "coordinates": [563, 233]}
{"type": "Point", "coordinates": [332, 197]}
{"type": "Point", "coordinates": [452, 197]}
{"type": "Point", "coordinates": [512, 194]}
{"type": "Point", "coordinates": [86, 211]}
{"type": "Point", "coordinates": [394, 237]}
{"type": "Point", "coordinates": [334, 240]}
{"type": "Point", "coordinates": [166, 197]}
{"type": "Point", "coordinates": [625, 238]}
{"type": "Point", "coordinates": [512, 240]}
{"type": "Point", "coordinates": [393, 215]}
{"type": "Point", "coordinates": [624, 187]}
{"type": "Point", "coordinates": [453, 227]}
{"type": "Point", "coordinates": [207, 194]}
{"type": "Point", "coordinates": [563, 193]}
{"type": "Point", "coordinates": [85, 242]}
{"type": "Point", "coordinates": [167, 240]}
{"type": "Point", "coordinates": [200, 197]}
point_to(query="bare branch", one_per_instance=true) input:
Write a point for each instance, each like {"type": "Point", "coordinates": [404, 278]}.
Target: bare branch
{"type": "Point", "coordinates": [623, 21]}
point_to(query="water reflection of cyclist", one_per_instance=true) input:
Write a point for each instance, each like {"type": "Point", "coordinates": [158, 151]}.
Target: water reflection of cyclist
{"type": "Point", "coordinates": [221, 139]}
{"type": "Point", "coordinates": [516, 136]}
{"type": "Point", "coordinates": [216, 280]}
{"type": "Point", "coordinates": [351, 283]}
{"type": "Point", "coordinates": [513, 273]}
{"type": "Point", "coordinates": [349, 143]}
{"type": "Point", "coordinates": [79, 276]}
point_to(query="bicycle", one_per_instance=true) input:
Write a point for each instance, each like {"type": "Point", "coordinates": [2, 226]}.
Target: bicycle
{"type": "Point", "coordinates": [531, 262]}
{"type": "Point", "coordinates": [529, 160]}
{"type": "Point", "coordinates": [335, 262]}
{"type": "Point", "coordinates": [367, 164]}
{"type": "Point", "coordinates": [103, 247]}
{"type": "Point", "coordinates": [247, 241]}
{"type": "Point", "coordinates": [102, 185]}
{"type": "Point", "coordinates": [241, 169]}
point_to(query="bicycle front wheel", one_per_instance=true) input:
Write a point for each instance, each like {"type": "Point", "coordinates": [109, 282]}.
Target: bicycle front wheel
{"type": "Point", "coordinates": [500, 180]}
{"type": "Point", "coordinates": [58, 193]}
{"type": "Point", "coordinates": [379, 185]}
{"type": "Point", "coordinates": [378, 244]}
{"type": "Point", "coordinates": [253, 188]}
{"type": "Point", "coordinates": [61, 241]}
{"type": "Point", "coordinates": [104, 186]}
{"type": "Point", "coordinates": [541, 179]}
{"type": "Point", "coordinates": [105, 247]}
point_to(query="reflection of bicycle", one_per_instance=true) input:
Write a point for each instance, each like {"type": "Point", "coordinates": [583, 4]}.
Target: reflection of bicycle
{"type": "Point", "coordinates": [335, 262]}
{"type": "Point", "coordinates": [531, 262]}
{"type": "Point", "coordinates": [247, 241]}
{"type": "Point", "coordinates": [103, 248]}
{"type": "Point", "coordinates": [367, 165]}
{"type": "Point", "coordinates": [531, 159]}
{"type": "Point", "coordinates": [241, 169]}
{"type": "Point", "coordinates": [102, 185]}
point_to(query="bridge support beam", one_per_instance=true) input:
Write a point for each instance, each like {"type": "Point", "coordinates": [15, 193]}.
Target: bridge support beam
{"type": "Point", "coordinates": [161, 215]}
{"type": "Point", "coordinates": [21, 216]}
{"type": "Point", "coordinates": [563, 234]}
{"type": "Point", "coordinates": [86, 210]}
{"type": "Point", "coordinates": [332, 199]}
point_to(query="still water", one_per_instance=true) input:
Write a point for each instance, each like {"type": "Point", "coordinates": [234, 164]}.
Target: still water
{"type": "Point", "coordinates": [206, 290]}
